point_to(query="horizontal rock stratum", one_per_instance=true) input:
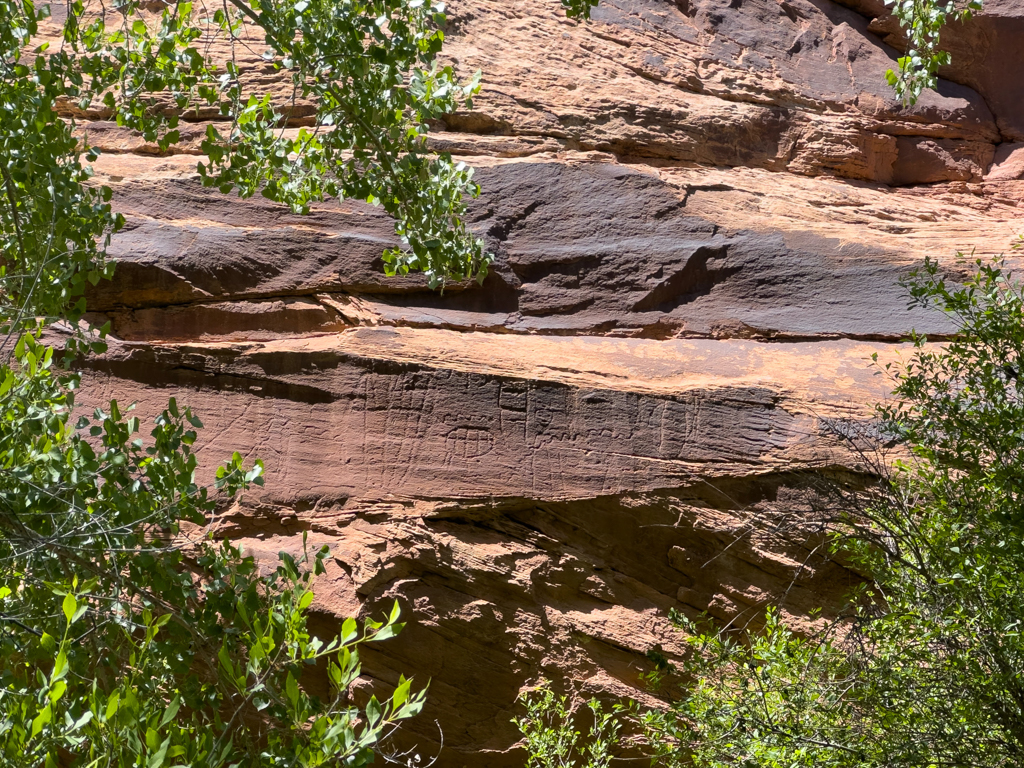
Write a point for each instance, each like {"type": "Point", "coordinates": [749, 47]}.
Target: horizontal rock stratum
{"type": "Point", "coordinates": [700, 213]}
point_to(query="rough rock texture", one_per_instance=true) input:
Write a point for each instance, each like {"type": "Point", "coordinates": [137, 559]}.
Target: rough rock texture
{"type": "Point", "coordinates": [700, 211]}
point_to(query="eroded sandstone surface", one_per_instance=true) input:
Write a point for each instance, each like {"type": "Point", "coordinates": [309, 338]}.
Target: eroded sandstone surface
{"type": "Point", "coordinates": [700, 211]}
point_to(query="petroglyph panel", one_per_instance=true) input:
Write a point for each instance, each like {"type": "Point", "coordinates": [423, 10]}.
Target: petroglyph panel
{"type": "Point", "coordinates": [350, 425]}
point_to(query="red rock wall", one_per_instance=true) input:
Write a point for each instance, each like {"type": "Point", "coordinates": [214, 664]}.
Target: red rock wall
{"type": "Point", "coordinates": [699, 210]}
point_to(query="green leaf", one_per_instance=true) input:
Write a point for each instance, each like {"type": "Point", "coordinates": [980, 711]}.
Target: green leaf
{"type": "Point", "coordinates": [158, 757]}
{"type": "Point", "coordinates": [373, 713]}
{"type": "Point", "coordinates": [171, 712]}
{"type": "Point", "coordinates": [41, 720]}
{"type": "Point", "coordinates": [292, 689]}
{"type": "Point", "coordinates": [70, 607]}
{"type": "Point", "coordinates": [349, 630]}
{"type": "Point", "coordinates": [57, 690]}
{"type": "Point", "coordinates": [113, 702]}
{"type": "Point", "coordinates": [401, 692]}
{"type": "Point", "coordinates": [60, 667]}
{"type": "Point", "coordinates": [82, 721]}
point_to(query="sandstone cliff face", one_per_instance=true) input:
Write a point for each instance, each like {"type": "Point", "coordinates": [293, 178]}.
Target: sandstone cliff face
{"type": "Point", "coordinates": [699, 210]}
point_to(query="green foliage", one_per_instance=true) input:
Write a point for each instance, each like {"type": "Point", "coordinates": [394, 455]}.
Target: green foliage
{"type": "Point", "coordinates": [552, 741]}
{"type": "Point", "coordinates": [128, 636]}
{"type": "Point", "coordinates": [770, 699]}
{"type": "Point", "coordinates": [52, 227]}
{"type": "Point", "coordinates": [922, 21]}
{"type": "Point", "coordinates": [369, 67]}
{"type": "Point", "coordinates": [579, 9]}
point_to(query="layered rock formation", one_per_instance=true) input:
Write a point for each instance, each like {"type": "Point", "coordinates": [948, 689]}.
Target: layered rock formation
{"type": "Point", "coordinates": [699, 211]}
